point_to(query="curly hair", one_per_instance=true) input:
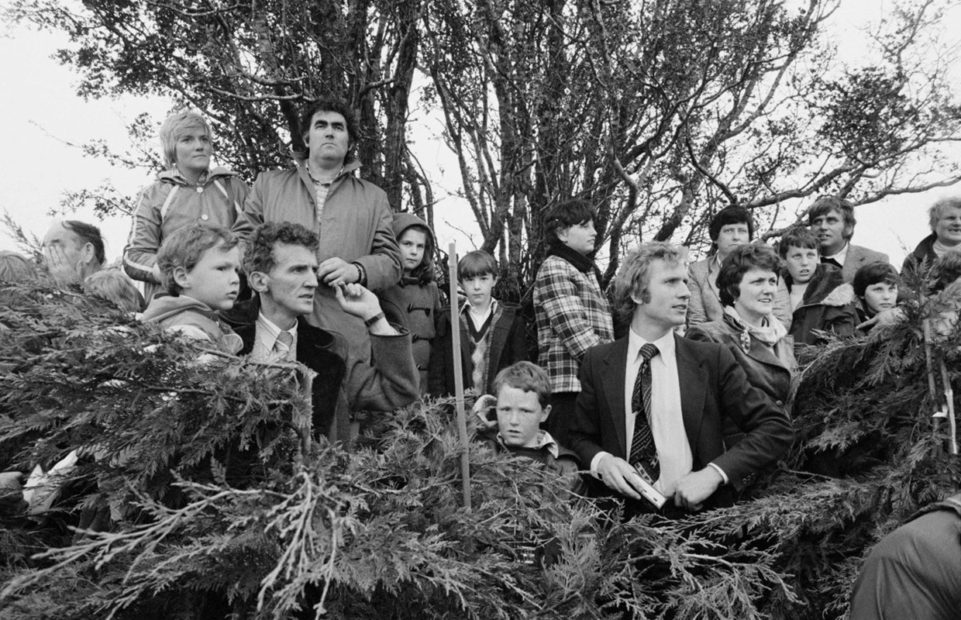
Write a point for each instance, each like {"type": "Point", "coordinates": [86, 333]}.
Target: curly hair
{"type": "Point", "coordinates": [741, 260]}
{"type": "Point", "coordinates": [259, 254]}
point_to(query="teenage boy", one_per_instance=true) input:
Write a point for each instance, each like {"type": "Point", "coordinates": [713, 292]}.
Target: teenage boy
{"type": "Point", "coordinates": [571, 311]}
{"type": "Point", "coordinates": [653, 406]}
{"type": "Point", "coordinates": [832, 221]}
{"type": "Point", "coordinates": [199, 268]}
{"type": "Point", "coordinates": [281, 267]}
{"type": "Point", "coordinates": [820, 299]}
{"type": "Point", "coordinates": [492, 332]}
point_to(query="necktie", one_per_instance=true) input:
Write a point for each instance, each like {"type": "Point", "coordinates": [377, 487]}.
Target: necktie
{"type": "Point", "coordinates": [283, 343]}
{"type": "Point", "coordinates": [643, 450]}
{"type": "Point", "coordinates": [826, 260]}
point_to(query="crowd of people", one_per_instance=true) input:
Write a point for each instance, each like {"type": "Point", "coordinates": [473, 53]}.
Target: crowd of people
{"type": "Point", "coordinates": [681, 410]}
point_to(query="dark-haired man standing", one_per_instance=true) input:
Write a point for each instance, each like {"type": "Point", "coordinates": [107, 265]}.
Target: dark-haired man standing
{"type": "Point", "coordinates": [832, 220]}
{"type": "Point", "coordinates": [281, 263]}
{"type": "Point", "coordinates": [350, 216]}
{"type": "Point", "coordinates": [73, 250]}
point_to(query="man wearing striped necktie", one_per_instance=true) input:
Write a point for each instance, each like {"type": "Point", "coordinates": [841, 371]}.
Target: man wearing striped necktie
{"type": "Point", "coordinates": [653, 405]}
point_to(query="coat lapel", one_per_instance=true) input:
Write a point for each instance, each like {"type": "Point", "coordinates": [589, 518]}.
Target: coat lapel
{"type": "Point", "coordinates": [693, 389]}
{"type": "Point", "coordinates": [615, 369]}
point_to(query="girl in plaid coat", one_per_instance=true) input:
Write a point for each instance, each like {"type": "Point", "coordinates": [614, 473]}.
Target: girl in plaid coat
{"type": "Point", "coordinates": [570, 310]}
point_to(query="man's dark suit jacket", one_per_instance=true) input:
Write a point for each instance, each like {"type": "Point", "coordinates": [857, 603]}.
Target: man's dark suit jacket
{"type": "Point", "coordinates": [713, 387]}
{"type": "Point", "coordinates": [341, 383]}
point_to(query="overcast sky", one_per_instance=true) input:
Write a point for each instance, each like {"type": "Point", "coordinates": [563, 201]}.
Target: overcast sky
{"type": "Point", "coordinates": [41, 116]}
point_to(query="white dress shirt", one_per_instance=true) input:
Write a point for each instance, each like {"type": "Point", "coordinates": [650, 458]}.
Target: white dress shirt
{"type": "Point", "coordinates": [265, 340]}
{"type": "Point", "coordinates": [840, 256]}
{"type": "Point", "coordinates": [667, 422]}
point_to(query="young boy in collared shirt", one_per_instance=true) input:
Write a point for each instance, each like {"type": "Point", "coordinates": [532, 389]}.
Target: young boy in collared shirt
{"type": "Point", "coordinates": [493, 333]}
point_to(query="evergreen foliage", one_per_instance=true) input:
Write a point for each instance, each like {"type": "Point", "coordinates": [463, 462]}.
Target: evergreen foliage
{"type": "Point", "coordinates": [219, 503]}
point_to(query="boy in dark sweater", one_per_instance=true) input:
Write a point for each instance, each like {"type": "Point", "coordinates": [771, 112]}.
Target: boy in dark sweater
{"type": "Point", "coordinates": [493, 333]}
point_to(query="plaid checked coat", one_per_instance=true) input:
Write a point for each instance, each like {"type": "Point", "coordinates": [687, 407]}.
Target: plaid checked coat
{"type": "Point", "coordinates": [572, 316]}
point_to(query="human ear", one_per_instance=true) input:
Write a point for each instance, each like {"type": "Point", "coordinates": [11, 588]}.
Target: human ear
{"type": "Point", "coordinates": [545, 413]}
{"type": "Point", "coordinates": [181, 277]}
{"type": "Point", "coordinates": [258, 280]}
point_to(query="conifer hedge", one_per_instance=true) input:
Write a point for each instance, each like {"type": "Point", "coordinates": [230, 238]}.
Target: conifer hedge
{"type": "Point", "coordinates": [201, 494]}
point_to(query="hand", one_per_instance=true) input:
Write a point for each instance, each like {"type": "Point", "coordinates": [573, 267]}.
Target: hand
{"type": "Point", "coordinates": [697, 486]}
{"type": "Point", "coordinates": [891, 316]}
{"type": "Point", "coordinates": [357, 301]}
{"type": "Point", "coordinates": [619, 476]}
{"type": "Point", "coordinates": [484, 406]}
{"type": "Point", "coordinates": [336, 271]}
{"type": "Point", "coordinates": [59, 266]}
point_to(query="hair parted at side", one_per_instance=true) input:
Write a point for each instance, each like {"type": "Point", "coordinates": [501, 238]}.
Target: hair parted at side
{"type": "Point", "coordinates": [873, 273]}
{"type": "Point", "coordinates": [476, 263]}
{"type": "Point", "coordinates": [939, 208]}
{"type": "Point", "coordinates": [174, 127]}
{"type": "Point", "coordinates": [88, 233]}
{"type": "Point", "coordinates": [259, 253]}
{"type": "Point", "coordinates": [826, 204]}
{"type": "Point", "coordinates": [116, 287]}
{"type": "Point", "coordinates": [330, 105]}
{"type": "Point", "coordinates": [798, 237]}
{"type": "Point", "coordinates": [564, 215]}
{"type": "Point", "coordinates": [726, 217]}
{"type": "Point", "coordinates": [528, 377]}
{"type": "Point", "coordinates": [185, 247]}
{"type": "Point", "coordinates": [633, 277]}
{"type": "Point", "coordinates": [741, 260]}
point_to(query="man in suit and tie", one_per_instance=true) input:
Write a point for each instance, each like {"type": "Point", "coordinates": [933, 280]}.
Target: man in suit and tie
{"type": "Point", "coordinates": [832, 220]}
{"type": "Point", "coordinates": [281, 266]}
{"type": "Point", "coordinates": [654, 405]}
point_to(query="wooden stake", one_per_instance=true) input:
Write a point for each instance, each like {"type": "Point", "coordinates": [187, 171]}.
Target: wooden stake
{"type": "Point", "coordinates": [458, 374]}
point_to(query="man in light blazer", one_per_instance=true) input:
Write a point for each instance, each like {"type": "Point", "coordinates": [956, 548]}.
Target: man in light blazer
{"type": "Point", "coordinates": [832, 220]}
{"type": "Point", "coordinates": [695, 389]}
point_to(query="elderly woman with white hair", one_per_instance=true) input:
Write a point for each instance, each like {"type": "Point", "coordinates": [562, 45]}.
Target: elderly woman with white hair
{"type": "Point", "coordinates": [188, 191]}
{"type": "Point", "coordinates": [945, 219]}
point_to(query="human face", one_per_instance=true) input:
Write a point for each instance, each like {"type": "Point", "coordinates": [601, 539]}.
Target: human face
{"type": "Point", "coordinates": [831, 231]}
{"type": "Point", "coordinates": [880, 296]}
{"type": "Point", "coordinates": [62, 241]}
{"type": "Point", "coordinates": [948, 226]}
{"type": "Point", "coordinates": [731, 236]}
{"type": "Point", "coordinates": [519, 417]}
{"type": "Point", "coordinates": [666, 307]}
{"type": "Point", "coordinates": [192, 152]}
{"type": "Point", "coordinates": [327, 138]}
{"type": "Point", "coordinates": [756, 299]}
{"type": "Point", "coordinates": [290, 286]}
{"type": "Point", "coordinates": [412, 244]}
{"type": "Point", "coordinates": [579, 237]}
{"type": "Point", "coordinates": [478, 289]}
{"type": "Point", "coordinates": [801, 263]}
{"type": "Point", "coordinates": [214, 280]}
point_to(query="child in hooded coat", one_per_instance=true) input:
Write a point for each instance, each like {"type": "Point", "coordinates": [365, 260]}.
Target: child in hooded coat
{"type": "Point", "coordinates": [415, 302]}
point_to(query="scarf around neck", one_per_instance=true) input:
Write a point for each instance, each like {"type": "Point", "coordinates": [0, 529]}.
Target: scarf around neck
{"type": "Point", "coordinates": [580, 262]}
{"type": "Point", "coordinates": [769, 334]}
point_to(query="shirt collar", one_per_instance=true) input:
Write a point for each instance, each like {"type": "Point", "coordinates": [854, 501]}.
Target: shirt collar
{"type": "Point", "coordinates": [271, 328]}
{"type": "Point", "coordinates": [544, 442]}
{"type": "Point", "coordinates": [841, 255]}
{"type": "Point", "coordinates": [665, 345]}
